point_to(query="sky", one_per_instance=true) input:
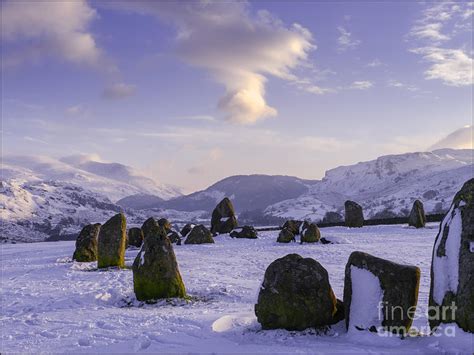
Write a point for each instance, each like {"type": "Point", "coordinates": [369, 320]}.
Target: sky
{"type": "Point", "coordinates": [192, 92]}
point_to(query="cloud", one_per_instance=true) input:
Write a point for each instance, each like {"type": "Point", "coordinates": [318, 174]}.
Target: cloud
{"type": "Point", "coordinates": [345, 40]}
{"type": "Point", "coordinates": [208, 118]}
{"type": "Point", "coordinates": [119, 91]}
{"type": "Point", "coordinates": [459, 139]}
{"type": "Point", "coordinates": [75, 110]}
{"type": "Point", "coordinates": [361, 85]}
{"type": "Point", "coordinates": [441, 23]}
{"type": "Point", "coordinates": [375, 63]}
{"type": "Point", "coordinates": [397, 84]}
{"type": "Point", "coordinates": [430, 31]}
{"type": "Point", "coordinates": [452, 66]}
{"type": "Point", "coordinates": [239, 49]}
{"type": "Point", "coordinates": [34, 140]}
{"type": "Point", "coordinates": [53, 28]}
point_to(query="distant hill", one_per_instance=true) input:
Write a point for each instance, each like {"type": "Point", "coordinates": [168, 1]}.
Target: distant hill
{"type": "Point", "coordinates": [247, 192]}
{"type": "Point", "coordinates": [385, 187]}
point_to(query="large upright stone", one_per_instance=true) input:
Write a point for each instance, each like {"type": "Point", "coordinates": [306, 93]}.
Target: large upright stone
{"type": "Point", "coordinates": [293, 226]}
{"type": "Point", "coordinates": [199, 235]}
{"type": "Point", "coordinates": [286, 236]}
{"type": "Point", "coordinates": [379, 293]}
{"type": "Point", "coordinates": [223, 217]}
{"type": "Point", "coordinates": [295, 295]}
{"type": "Point", "coordinates": [155, 269]}
{"type": "Point", "coordinates": [452, 267]}
{"type": "Point", "coordinates": [354, 216]}
{"type": "Point", "coordinates": [86, 243]}
{"type": "Point", "coordinates": [163, 222]}
{"type": "Point", "coordinates": [186, 229]}
{"type": "Point", "coordinates": [135, 237]}
{"type": "Point", "coordinates": [310, 234]}
{"type": "Point", "coordinates": [112, 242]}
{"type": "Point", "coordinates": [417, 216]}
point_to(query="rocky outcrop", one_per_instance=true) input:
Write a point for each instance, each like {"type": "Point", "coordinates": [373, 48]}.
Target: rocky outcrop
{"type": "Point", "coordinates": [295, 295]}
{"type": "Point", "coordinates": [247, 232]}
{"type": "Point", "coordinates": [135, 237]}
{"type": "Point", "coordinates": [155, 269]}
{"type": "Point", "coordinates": [310, 234]}
{"type": "Point", "coordinates": [379, 294]}
{"type": "Point", "coordinates": [86, 243]}
{"type": "Point", "coordinates": [452, 268]}
{"type": "Point", "coordinates": [417, 216]}
{"type": "Point", "coordinates": [199, 235]}
{"type": "Point", "coordinates": [112, 242]}
{"type": "Point", "coordinates": [354, 217]}
{"type": "Point", "coordinates": [223, 217]}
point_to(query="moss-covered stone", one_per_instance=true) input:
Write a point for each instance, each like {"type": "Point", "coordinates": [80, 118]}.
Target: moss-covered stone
{"type": "Point", "coordinates": [295, 226]}
{"type": "Point", "coordinates": [399, 284]}
{"type": "Point", "coordinates": [456, 232]}
{"type": "Point", "coordinates": [199, 235]}
{"type": "Point", "coordinates": [247, 232]}
{"type": "Point", "coordinates": [155, 269]}
{"type": "Point", "coordinates": [163, 222]}
{"type": "Point", "coordinates": [186, 229]}
{"type": "Point", "coordinates": [223, 217]}
{"type": "Point", "coordinates": [112, 242]}
{"type": "Point", "coordinates": [295, 295]}
{"type": "Point", "coordinates": [286, 236]}
{"type": "Point", "coordinates": [417, 217]}
{"type": "Point", "coordinates": [310, 234]}
{"type": "Point", "coordinates": [135, 237]}
{"type": "Point", "coordinates": [86, 243]}
{"type": "Point", "coordinates": [174, 237]}
{"type": "Point", "coordinates": [354, 217]}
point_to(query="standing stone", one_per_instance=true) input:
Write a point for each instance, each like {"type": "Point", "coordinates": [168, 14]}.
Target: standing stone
{"type": "Point", "coordinates": [135, 237]}
{"type": "Point", "coordinates": [247, 232]}
{"type": "Point", "coordinates": [112, 242]}
{"type": "Point", "coordinates": [155, 270]}
{"type": "Point", "coordinates": [310, 234]}
{"type": "Point", "coordinates": [163, 222]}
{"type": "Point", "coordinates": [452, 267]}
{"type": "Point", "coordinates": [199, 235]}
{"type": "Point", "coordinates": [354, 216]}
{"type": "Point", "coordinates": [186, 229]}
{"type": "Point", "coordinates": [86, 243]}
{"type": "Point", "coordinates": [417, 216]}
{"type": "Point", "coordinates": [295, 295]}
{"type": "Point", "coordinates": [174, 237]}
{"type": "Point", "coordinates": [286, 236]}
{"type": "Point", "coordinates": [223, 217]}
{"type": "Point", "coordinates": [379, 293]}
{"type": "Point", "coordinates": [293, 226]}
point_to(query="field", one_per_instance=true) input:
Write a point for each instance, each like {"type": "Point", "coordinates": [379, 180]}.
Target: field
{"type": "Point", "coordinates": [51, 304]}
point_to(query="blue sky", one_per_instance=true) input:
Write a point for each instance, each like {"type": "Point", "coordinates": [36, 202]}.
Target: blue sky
{"type": "Point", "coordinates": [193, 92]}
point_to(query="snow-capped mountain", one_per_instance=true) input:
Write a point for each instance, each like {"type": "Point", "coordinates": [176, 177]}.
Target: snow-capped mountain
{"type": "Point", "coordinates": [44, 197]}
{"type": "Point", "coordinates": [41, 197]}
{"type": "Point", "coordinates": [386, 186]}
{"type": "Point", "coordinates": [113, 180]}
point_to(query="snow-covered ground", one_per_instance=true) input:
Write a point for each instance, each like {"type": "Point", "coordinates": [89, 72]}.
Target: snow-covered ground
{"type": "Point", "coordinates": [50, 304]}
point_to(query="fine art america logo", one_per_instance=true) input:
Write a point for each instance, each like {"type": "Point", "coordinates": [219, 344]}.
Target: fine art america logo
{"type": "Point", "coordinates": [434, 314]}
